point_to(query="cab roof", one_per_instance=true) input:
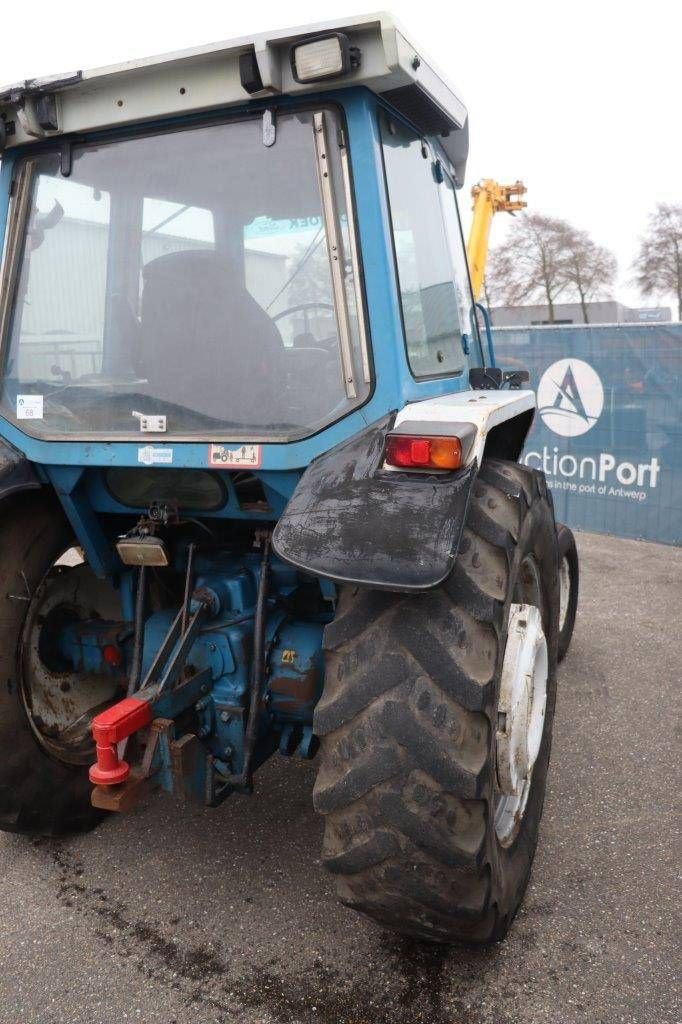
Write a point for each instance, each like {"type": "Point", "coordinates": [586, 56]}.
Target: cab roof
{"type": "Point", "coordinates": [208, 78]}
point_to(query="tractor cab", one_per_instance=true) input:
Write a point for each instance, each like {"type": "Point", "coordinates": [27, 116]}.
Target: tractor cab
{"type": "Point", "coordinates": [259, 488]}
{"type": "Point", "coordinates": [197, 239]}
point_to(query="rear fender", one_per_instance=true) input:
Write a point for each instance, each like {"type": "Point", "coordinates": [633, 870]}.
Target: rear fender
{"type": "Point", "coordinates": [353, 520]}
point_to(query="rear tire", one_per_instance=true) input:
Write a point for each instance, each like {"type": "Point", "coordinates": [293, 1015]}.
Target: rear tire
{"type": "Point", "coordinates": [39, 795]}
{"type": "Point", "coordinates": [569, 578]}
{"type": "Point", "coordinates": [408, 779]}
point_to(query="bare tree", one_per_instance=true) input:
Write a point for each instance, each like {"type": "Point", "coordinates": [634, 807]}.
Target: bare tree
{"type": "Point", "coordinates": [531, 263]}
{"type": "Point", "coordinates": [545, 257]}
{"type": "Point", "coordinates": [658, 264]}
{"type": "Point", "coordinates": [589, 268]}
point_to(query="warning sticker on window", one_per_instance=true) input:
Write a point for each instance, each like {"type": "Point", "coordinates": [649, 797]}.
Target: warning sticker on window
{"type": "Point", "coordinates": [29, 407]}
{"type": "Point", "coordinates": [246, 455]}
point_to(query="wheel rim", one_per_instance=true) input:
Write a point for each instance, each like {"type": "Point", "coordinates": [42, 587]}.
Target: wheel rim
{"type": "Point", "coordinates": [564, 591]}
{"type": "Point", "coordinates": [59, 702]}
{"type": "Point", "coordinates": [521, 704]}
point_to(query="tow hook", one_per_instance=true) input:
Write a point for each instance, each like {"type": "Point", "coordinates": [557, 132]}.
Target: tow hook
{"type": "Point", "coordinates": [109, 728]}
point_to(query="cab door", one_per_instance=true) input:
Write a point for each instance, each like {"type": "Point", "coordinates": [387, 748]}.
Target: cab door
{"type": "Point", "coordinates": [440, 330]}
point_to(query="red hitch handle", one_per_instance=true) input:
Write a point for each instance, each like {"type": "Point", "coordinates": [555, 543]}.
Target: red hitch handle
{"type": "Point", "coordinates": [109, 728]}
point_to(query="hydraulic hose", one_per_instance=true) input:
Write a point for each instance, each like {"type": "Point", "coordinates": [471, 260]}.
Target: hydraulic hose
{"type": "Point", "coordinates": [136, 660]}
{"type": "Point", "coordinates": [245, 779]}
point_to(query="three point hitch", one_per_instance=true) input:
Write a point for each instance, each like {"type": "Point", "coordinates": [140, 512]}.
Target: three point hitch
{"type": "Point", "coordinates": [171, 687]}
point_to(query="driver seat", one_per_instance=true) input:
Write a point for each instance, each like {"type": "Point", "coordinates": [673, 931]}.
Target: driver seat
{"type": "Point", "coordinates": [205, 342]}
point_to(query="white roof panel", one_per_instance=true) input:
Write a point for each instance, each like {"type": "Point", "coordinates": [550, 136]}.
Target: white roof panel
{"type": "Point", "coordinates": [207, 77]}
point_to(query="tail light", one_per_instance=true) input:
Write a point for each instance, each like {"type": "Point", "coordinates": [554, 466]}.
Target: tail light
{"type": "Point", "coordinates": [412, 451]}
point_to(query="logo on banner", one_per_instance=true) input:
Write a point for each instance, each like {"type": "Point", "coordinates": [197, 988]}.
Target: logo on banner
{"type": "Point", "coordinates": [570, 397]}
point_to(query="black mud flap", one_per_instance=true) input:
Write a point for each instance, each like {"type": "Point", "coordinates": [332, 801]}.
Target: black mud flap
{"type": "Point", "coordinates": [16, 472]}
{"type": "Point", "coordinates": [351, 521]}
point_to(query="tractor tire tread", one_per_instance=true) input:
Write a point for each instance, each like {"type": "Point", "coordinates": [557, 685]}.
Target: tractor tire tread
{"type": "Point", "coordinates": [405, 722]}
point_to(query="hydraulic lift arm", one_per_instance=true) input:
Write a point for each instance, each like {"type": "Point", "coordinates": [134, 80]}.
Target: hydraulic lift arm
{"type": "Point", "coordinates": [489, 198]}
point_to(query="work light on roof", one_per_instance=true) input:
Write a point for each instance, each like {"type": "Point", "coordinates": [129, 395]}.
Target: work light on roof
{"type": "Point", "coordinates": [328, 56]}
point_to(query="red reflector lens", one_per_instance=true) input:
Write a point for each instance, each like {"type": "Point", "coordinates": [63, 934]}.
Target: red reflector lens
{"type": "Point", "coordinates": [420, 451]}
{"type": "Point", "coordinates": [112, 655]}
{"type": "Point", "coordinates": [409, 452]}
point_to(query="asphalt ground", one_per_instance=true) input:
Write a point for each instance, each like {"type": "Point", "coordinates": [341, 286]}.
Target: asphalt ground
{"type": "Point", "coordinates": [179, 915]}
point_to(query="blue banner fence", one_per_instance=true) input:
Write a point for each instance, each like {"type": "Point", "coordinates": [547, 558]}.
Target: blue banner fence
{"type": "Point", "coordinates": [608, 431]}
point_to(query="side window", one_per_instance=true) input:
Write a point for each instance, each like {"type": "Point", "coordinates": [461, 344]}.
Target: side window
{"type": "Point", "coordinates": [460, 267]}
{"type": "Point", "coordinates": [430, 303]}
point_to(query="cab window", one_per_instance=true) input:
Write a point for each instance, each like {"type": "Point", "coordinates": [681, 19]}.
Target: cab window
{"type": "Point", "coordinates": [434, 302]}
{"type": "Point", "coordinates": [187, 275]}
{"type": "Point", "coordinates": [460, 267]}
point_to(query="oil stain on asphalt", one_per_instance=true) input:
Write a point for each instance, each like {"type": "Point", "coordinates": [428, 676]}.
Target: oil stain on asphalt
{"type": "Point", "coordinates": [204, 980]}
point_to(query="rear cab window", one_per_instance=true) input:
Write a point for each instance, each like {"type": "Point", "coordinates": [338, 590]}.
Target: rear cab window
{"type": "Point", "coordinates": [193, 275]}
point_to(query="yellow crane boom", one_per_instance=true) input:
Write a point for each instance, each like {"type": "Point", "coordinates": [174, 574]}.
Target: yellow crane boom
{"type": "Point", "coordinates": [489, 198]}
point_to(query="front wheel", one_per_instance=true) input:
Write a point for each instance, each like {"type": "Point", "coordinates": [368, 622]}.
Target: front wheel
{"type": "Point", "coordinates": [436, 723]}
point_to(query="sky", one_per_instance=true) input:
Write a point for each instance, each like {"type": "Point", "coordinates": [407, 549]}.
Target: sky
{"type": "Point", "coordinates": [580, 100]}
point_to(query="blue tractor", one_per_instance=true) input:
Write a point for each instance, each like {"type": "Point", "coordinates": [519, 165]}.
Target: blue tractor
{"type": "Point", "coordinates": [259, 478]}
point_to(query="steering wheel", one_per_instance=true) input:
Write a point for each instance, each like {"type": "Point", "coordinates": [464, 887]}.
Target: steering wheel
{"type": "Point", "coordinates": [314, 304]}
{"type": "Point", "coordinates": [327, 345]}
